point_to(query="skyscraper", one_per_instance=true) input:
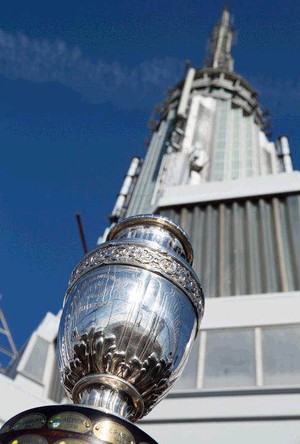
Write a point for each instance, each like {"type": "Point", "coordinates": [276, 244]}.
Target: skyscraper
{"type": "Point", "coordinates": [211, 167]}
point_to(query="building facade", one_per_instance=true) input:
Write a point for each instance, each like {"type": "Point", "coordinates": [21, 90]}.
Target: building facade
{"type": "Point", "coordinates": [211, 167]}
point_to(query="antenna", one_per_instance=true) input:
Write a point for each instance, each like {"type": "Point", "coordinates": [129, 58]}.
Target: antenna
{"type": "Point", "coordinates": [221, 42]}
{"type": "Point", "coordinates": [81, 232]}
{"type": "Point", "coordinates": [8, 349]}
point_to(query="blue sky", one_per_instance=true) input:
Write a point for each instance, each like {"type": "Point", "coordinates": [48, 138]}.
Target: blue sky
{"type": "Point", "coordinates": [78, 81]}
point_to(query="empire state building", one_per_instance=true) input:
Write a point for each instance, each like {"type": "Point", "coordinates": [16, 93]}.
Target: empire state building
{"type": "Point", "coordinates": [211, 168]}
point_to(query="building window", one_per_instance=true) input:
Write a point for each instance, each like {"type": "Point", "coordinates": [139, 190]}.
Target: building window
{"type": "Point", "coordinates": [247, 357]}
{"type": "Point", "coordinates": [230, 358]}
{"type": "Point", "coordinates": [35, 365]}
{"type": "Point", "coordinates": [281, 355]}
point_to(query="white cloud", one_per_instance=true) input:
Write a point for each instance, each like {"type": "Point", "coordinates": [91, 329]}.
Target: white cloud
{"type": "Point", "coordinates": [98, 81]}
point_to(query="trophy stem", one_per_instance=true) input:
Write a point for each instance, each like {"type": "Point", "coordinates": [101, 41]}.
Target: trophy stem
{"type": "Point", "coordinates": [109, 399]}
{"type": "Point", "coordinates": [111, 393]}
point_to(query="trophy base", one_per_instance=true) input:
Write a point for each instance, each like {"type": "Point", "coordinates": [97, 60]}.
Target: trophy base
{"type": "Point", "coordinates": [70, 424]}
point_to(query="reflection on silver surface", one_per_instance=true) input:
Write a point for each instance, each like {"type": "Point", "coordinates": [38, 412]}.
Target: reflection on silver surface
{"type": "Point", "coordinates": [131, 314]}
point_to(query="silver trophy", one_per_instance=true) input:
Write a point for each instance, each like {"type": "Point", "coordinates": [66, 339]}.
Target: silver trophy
{"type": "Point", "coordinates": [131, 313]}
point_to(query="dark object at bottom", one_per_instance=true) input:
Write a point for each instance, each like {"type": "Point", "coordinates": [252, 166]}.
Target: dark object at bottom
{"type": "Point", "coordinates": [70, 424]}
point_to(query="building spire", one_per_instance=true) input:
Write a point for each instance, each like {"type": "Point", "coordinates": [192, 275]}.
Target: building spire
{"type": "Point", "coordinates": [221, 43]}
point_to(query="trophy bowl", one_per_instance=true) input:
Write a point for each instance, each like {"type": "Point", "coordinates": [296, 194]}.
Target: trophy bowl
{"type": "Point", "coordinates": [131, 313]}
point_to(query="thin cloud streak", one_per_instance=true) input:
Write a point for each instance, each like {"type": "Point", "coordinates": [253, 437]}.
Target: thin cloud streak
{"type": "Point", "coordinates": [45, 61]}
{"type": "Point", "coordinates": [39, 61]}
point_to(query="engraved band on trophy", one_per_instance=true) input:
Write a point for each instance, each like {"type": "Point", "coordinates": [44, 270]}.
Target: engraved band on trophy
{"type": "Point", "coordinates": [131, 313]}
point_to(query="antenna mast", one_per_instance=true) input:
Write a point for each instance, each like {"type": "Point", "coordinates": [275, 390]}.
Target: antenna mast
{"type": "Point", "coordinates": [8, 349]}
{"type": "Point", "coordinates": [81, 232]}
